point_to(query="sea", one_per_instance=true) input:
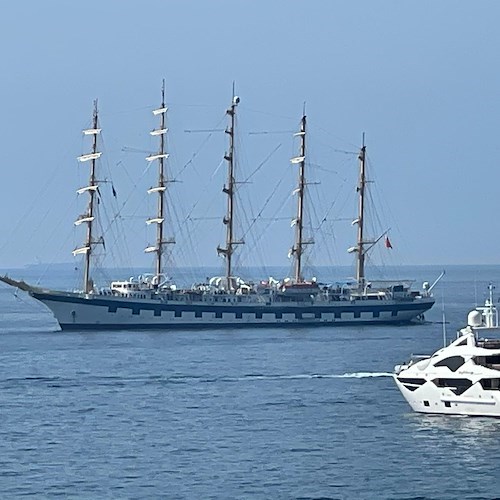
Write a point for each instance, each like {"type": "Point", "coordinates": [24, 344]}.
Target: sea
{"type": "Point", "coordinates": [302, 413]}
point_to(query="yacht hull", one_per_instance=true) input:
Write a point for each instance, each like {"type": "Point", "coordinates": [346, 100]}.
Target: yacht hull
{"type": "Point", "coordinates": [79, 311]}
{"type": "Point", "coordinates": [430, 399]}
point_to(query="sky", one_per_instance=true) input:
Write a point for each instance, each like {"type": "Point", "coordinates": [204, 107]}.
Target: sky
{"type": "Point", "coordinates": [421, 80]}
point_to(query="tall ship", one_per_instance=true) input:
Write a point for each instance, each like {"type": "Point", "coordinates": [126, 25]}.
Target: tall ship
{"type": "Point", "coordinates": [153, 301]}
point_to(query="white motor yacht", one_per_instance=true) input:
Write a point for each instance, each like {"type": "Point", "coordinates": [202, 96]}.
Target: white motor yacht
{"type": "Point", "coordinates": [462, 378]}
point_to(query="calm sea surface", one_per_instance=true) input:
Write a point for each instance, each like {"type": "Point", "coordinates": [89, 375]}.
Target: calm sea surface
{"type": "Point", "coordinates": [272, 414]}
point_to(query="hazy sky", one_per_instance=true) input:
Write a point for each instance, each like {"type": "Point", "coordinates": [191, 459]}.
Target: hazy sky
{"type": "Point", "coordinates": [421, 79]}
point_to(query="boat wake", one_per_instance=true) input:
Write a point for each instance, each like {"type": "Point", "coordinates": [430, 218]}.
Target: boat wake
{"type": "Point", "coordinates": [117, 380]}
{"type": "Point", "coordinates": [313, 376]}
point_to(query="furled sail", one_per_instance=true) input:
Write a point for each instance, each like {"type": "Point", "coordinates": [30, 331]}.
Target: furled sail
{"type": "Point", "coordinates": [90, 156]}
{"type": "Point", "coordinates": [157, 189]}
{"type": "Point", "coordinates": [155, 220]}
{"type": "Point", "coordinates": [159, 111]}
{"type": "Point", "coordinates": [159, 131]}
{"type": "Point", "coordinates": [82, 219]}
{"type": "Point", "coordinates": [91, 131]}
{"type": "Point", "coordinates": [87, 188]}
{"type": "Point", "coordinates": [298, 159]}
{"type": "Point", "coordinates": [157, 156]}
{"type": "Point", "coordinates": [81, 250]}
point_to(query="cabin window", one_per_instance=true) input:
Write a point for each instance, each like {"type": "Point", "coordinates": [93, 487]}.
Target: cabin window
{"type": "Point", "coordinates": [376, 314]}
{"type": "Point", "coordinates": [426, 403]}
{"type": "Point", "coordinates": [178, 314]}
{"type": "Point", "coordinates": [218, 315]}
{"type": "Point", "coordinates": [258, 315]}
{"type": "Point", "coordinates": [157, 312]}
{"type": "Point", "coordinates": [490, 384]}
{"type": "Point", "coordinates": [453, 362]}
{"type": "Point", "coordinates": [278, 315]}
{"type": "Point", "coordinates": [239, 315]}
{"type": "Point", "coordinates": [197, 314]}
{"type": "Point", "coordinates": [456, 385]}
{"type": "Point", "coordinates": [416, 381]}
{"type": "Point", "coordinates": [492, 362]}
{"type": "Point", "coordinates": [412, 384]}
{"type": "Point", "coordinates": [447, 404]}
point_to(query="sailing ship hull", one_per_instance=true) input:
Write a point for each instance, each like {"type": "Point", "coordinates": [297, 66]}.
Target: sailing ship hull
{"type": "Point", "coordinates": [80, 311]}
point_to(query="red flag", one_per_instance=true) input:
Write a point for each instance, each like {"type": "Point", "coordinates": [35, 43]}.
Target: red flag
{"type": "Point", "coordinates": [388, 242]}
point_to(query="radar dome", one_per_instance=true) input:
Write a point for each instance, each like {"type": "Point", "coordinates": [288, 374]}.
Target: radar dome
{"type": "Point", "coordinates": [474, 318]}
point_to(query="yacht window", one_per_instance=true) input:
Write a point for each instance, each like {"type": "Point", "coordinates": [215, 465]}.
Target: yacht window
{"type": "Point", "coordinates": [453, 362]}
{"type": "Point", "coordinates": [492, 362]}
{"type": "Point", "coordinates": [412, 384]}
{"type": "Point", "coordinates": [447, 404]}
{"type": "Point", "coordinates": [457, 385]}
{"type": "Point", "coordinates": [416, 381]}
{"type": "Point", "coordinates": [490, 384]}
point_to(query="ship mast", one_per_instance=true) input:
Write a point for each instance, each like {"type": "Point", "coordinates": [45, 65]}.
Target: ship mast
{"type": "Point", "coordinates": [160, 188]}
{"type": "Point", "coordinates": [229, 189]}
{"type": "Point", "coordinates": [91, 189]}
{"type": "Point", "coordinates": [298, 247]}
{"type": "Point", "coordinates": [360, 268]}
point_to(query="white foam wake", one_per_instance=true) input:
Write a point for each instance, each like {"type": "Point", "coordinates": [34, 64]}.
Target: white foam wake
{"type": "Point", "coordinates": [365, 375]}
{"type": "Point", "coordinates": [318, 375]}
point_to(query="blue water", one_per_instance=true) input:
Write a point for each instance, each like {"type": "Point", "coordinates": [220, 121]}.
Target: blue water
{"type": "Point", "coordinates": [298, 414]}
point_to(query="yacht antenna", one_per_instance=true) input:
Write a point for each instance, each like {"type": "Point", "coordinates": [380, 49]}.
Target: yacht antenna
{"type": "Point", "coordinates": [91, 189]}
{"type": "Point", "coordinates": [443, 315]}
{"type": "Point", "coordinates": [160, 188]}
{"type": "Point", "coordinates": [229, 189]}
{"type": "Point", "coordinates": [490, 310]}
